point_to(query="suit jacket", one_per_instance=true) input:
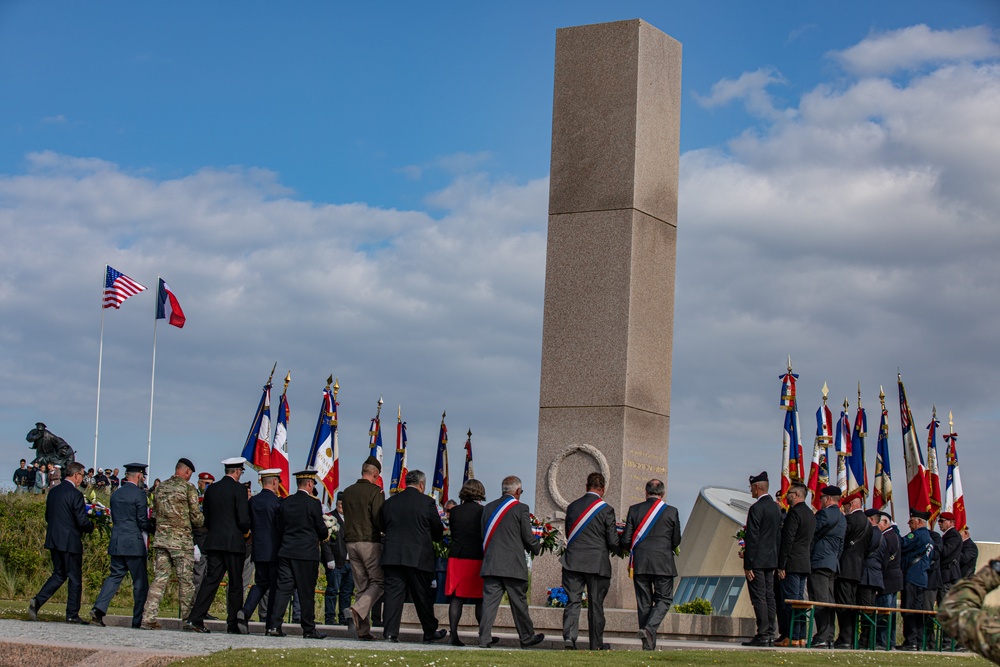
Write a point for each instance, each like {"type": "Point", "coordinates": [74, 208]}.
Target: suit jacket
{"type": "Point", "coordinates": [828, 540]}
{"type": "Point", "coordinates": [300, 527]}
{"type": "Point", "coordinates": [934, 579]}
{"type": "Point", "coordinates": [796, 539]}
{"type": "Point", "coordinates": [590, 548]}
{"type": "Point", "coordinates": [762, 534]}
{"type": "Point", "coordinates": [130, 512]}
{"type": "Point", "coordinates": [892, 562]}
{"type": "Point", "coordinates": [411, 523]}
{"type": "Point", "coordinates": [852, 560]}
{"type": "Point", "coordinates": [951, 555]}
{"type": "Point", "coordinates": [969, 557]}
{"type": "Point", "coordinates": [227, 516]}
{"type": "Point", "coordinates": [66, 519]}
{"type": "Point", "coordinates": [871, 571]}
{"type": "Point", "coordinates": [511, 538]}
{"type": "Point", "coordinates": [654, 555]}
{"type": "Point", "coordinates": [466, 523]}
{"type": "Point", "coordinates": [263, 510]}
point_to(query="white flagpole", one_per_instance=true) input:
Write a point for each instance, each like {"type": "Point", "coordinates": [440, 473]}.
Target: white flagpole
{"type": "Point", "coordinates": [152, 381]}
{"type": "Point", "coordinates": [100, 362]}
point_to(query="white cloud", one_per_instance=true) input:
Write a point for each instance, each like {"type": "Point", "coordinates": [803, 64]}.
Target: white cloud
{"type": "Point", "coordinates": [751, 89]}
{"type": "Point", "coordinates": [916, 46]}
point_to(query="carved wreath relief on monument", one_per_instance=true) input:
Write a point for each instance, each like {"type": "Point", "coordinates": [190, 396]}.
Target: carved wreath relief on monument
{"type": "Point", "coordinates": [553, 479]}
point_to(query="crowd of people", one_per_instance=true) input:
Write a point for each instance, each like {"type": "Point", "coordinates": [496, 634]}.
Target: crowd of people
{"type": "Point", "coordinates": [848, 556]}
{"type": "Point", "coordinates": [39, 478]}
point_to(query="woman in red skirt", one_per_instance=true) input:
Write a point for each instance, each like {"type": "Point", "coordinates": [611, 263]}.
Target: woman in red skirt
{"type": "Point", "coordinates": [465, 556]}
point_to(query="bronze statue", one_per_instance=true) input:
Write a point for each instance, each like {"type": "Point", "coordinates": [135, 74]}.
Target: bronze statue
{"type": "Point", "coordinates": [49, 447]}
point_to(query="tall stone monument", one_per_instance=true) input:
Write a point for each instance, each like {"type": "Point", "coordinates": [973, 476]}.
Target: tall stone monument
{"type": "Point", "coordinates": [607, 335]}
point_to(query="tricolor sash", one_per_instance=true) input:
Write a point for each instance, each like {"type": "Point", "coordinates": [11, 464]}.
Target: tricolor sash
{"type": "Point", "coordinates": [642, 530]}
{"type": "Point", "coordinates": [584, 519]}
{"type": "Point", "coordinates": [498, 514]}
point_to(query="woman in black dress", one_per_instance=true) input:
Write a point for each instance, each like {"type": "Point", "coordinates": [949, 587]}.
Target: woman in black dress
{"type": "Point", "coordinates": [465, 556]}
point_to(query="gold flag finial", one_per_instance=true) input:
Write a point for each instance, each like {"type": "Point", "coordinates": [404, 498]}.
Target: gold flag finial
{"type": "Point", "coordinates": [379, 410]}
{"type": "Point", "coordinates": [329, 381]}
{"type": "Point", "coordinates": [859, 394]}
{"type": "Point", "coordinates": [881, 396]}
{"type": "Point", "coordinates": [399, 412]}
{"type": "Point", "coordinates": [336, 388]}
{"type": "Point", "coordinates": [934, 412]}
{"type": "Point", "coordinates": [271, 376]}
{"type": "Point", "coordinates": [951, 422]}
{"type": "Point", "coordinates": [789, 363]}
{"type": "Point", "coordinates": [288, 378]}
{"type": "Point", "coordinates": [846, 404]}
{"type": "Point", "coordinates": [826, 393]}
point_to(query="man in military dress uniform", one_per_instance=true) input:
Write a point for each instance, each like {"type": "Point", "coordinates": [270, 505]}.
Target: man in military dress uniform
{"type": "Point", "coordinates": [263, 516]}
{"type": "Point", "coordinates": [176, 510]}
{"type": "Point", "coordinates": [962, 615]}
{"type": "Point", "coordinates": [760, 559]}
{"type": "Point", "coordinates": [127, 546]}
{"type": "Point", "coordinates": [363, 535]}
{"type": "Point", "coordinates": [300, 529]}
{"type": "Point", "coordinates": [591, 536]}
{"type": "Point", "coordinates": [227, 517]}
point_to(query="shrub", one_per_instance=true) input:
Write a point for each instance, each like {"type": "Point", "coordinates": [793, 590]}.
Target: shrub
{"type": "Point", "coordinates": [699, 606]}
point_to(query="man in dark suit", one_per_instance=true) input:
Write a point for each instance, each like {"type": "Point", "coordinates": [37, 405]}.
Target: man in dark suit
{"type": "Point", "coordinates": [970, 554]}
{"type": "Point", "coordinates": [852, 562]}
{"type": "Point", "coordinates": [892, 576]}
{"type": "Point", "coordinates": [652, 535]}
{"type": "Point", "coordinates": [872, 582]}
{"type": "Point", "coordinates": [339, 580]}
{"type": "Point", "coordinates": [127, 546]}
{"type": "Point", "coordinates": [591, 535]}
{"type": "Point", "coordinates": [507, 535]}
{"type": "Point", "coordinates": [794, 560]}
{"type": "Point", "coordinates": [263, 509]}
{"type": "Point", "coordinates": [827, 545]}
{"type": "Point", "coordinates": [300, 529]}
{"type": "Point", "coordinates": [760, 559]}
{"type": "Point", "coordinates": [66, 519]}
{"type": "Point", "coordinates": [411, 523]}
{"type": "Point", "coordinates": [951, 554]}
{"type": "Point", "coordinates": [227, 517]}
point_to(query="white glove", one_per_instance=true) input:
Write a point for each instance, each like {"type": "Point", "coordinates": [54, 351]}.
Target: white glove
{"type": "Point", "coordinates": [197, 553]}
{"type": "Point", "coordinates": [331, 565]}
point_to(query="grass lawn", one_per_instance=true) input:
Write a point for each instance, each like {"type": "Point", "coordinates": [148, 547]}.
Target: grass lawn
{"type": "Point", "coordinates": [475, 657]}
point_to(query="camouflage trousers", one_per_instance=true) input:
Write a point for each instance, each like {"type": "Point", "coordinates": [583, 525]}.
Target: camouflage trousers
{"type": "Point", "coordinates": [181, 561]}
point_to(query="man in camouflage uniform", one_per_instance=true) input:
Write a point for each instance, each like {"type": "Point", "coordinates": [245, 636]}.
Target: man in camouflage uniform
{"type": "Point", "coordinates": [175, 506]}
{"type": "Point", "coordinates": [962, 616]}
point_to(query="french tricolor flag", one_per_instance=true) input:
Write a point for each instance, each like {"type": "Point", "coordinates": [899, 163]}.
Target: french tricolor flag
{"type": "Point", "coordinates": [167, 306]}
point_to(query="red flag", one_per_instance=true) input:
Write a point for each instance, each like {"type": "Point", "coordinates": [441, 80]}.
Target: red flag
{"type": "Point", "coordinates": [916, 474]}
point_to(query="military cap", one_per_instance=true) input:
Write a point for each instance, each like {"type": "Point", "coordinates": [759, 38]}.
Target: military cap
{"type": "Point", "coordinates": [372, 461]}
{"type": "Point", "coordinates": [270, 472]}
{"type": "Point", "coordinates": [947, 516]}
{"type": "Point", "coordinates": [206, 477]}
{"type": "Point", "coordinates": [186, 462]}
{"type": "Point", "coordinates": [306, 474]}
{"type": "Point", "coordinates": [235, 463]}
{"type": "Point", "coordinates": [758, 478]}
{"type": "Point", "coordinates": [247, 484]}
{"type": "Point", "coordinates": [915, 514]}
{"type": "Point", "coordinates": [136, 467]}
{"type": "Point", "coordinates": [340, 495]}
{"type": "Point", "coordinates": [879, 513]}
{"type": "Point", "coordinates": [830, 490]}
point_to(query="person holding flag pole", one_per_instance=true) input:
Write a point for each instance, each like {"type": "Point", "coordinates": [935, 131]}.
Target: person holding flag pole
{"type": "Point", "coordinates": [279, 451]}
{"type": "Point", "coordinates": [882, 491]}
{"type": "Point", "coordinates": [117, 288]}
{"type": "Point", "coordinates": [439, 488]}
{"type": "Point", "coordinates": [375, 441]}
{"type": "Point", "coordinates": [469, 472]}
{"type": "Point", "coordinates": [167, 308]}
{"type": "Point", "coordinates": [257, 448]}
{"type": "Point", "coordinates": [819, 471]}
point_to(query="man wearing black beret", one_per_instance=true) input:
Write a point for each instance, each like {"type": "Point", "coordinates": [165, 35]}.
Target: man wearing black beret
{"type": "Point", "coordinates": [760, 559]}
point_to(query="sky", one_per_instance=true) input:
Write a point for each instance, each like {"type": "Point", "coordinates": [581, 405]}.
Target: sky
{"type": "Point", "coordinates": [361, 190]}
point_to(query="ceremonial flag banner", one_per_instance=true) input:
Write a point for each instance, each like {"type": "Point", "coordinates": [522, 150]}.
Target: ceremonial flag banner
{"type": "Point", "coordinates": [882, 491]}
{"type": "Point", "coordinates": [118, 287]}
{"type": "Point", "coordinates": [398, 481]}
{"type": "Point", "coordinates": [167, 306]}
{"type": "Point", "coordinates": [954, 499]}
{"type": "Point", "coordinates": [439, 488]}
{"type": "Point", "coordinates": [257, 448]}
{"type": "Point", "coordinates": [857, 473]}
{"type": "Point", "coordinates": [469, 472]}
{"type": "Point", "coordinates": [279, 452]}
{"type": "Point", "coordinates": [916, 473]}
{"type": "Point", "coordinates": [933, 471]}
{"type": "Point", "coordinates": [375, 441]}
{"type": "Point", "coordinates": [842, 444]}
{"type": "Point", "coordinates": [324, 452]}
{"type": "Point", "coordinates": [791, 441]}
{"type": "Point", "coordinates": [819, 470]}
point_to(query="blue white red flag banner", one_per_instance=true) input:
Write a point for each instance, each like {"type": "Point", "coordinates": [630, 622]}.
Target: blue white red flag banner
{"type": "Point", "coordinates": [857, 472]}
{"type": "Point", "coordinates": [584, 519]}
{"type": "Point", "coordinates": [324, 453]}
{"type": "Point", "coordinates": [842, 445]}
{"type": "Point", "coordinates": [469, 472]}
{"type": "Point", "coordinates": [279, 451]}
{"type": "Point", "coordinates": [167, 306]}
{"type": "Point", "coordinates": [954, 499]}
{"type": "Point", "coordinates": [257, 448]}
{"type": "Point", "coordinates": [439, 488]}
{"type": "Point", "coordinates": [788, 379]}
{"type": "Point", "coordinates": [819, 469]}
{"type": "Point", "coordinates": [933, 470]}
{"type": "Point", "coordinates": [791, 440]}
{"type": "Point", "coordinates": [917, 491]}
{"type": "Point", "coordinates": [118, 287]}
{"type": "Point", "coordinates": [882, 490]}
{"type": "Point", "coordinates": [375, 444]}
{"type": "Point", "coordinates": [398, 481]}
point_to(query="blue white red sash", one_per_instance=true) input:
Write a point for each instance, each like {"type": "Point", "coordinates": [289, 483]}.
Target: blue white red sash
{"type": "Point", "coordinates": [498, 514]}
{"type": "Point", "coordinates": [642, 530]}
{"type": "Point", "coordinates": [584, 519]}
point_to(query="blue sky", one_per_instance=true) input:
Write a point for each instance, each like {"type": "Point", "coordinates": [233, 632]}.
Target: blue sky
{"type": "Point", "coordinates": [361, 189]}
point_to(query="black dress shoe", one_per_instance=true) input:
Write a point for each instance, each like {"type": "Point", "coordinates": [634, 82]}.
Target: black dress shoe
{"type": "Point", "coordinates": [367, 638]}
{"type": "Point", "coordinates": [32, 610]}
{"type": "Point", "coordinates": [76, 620]}
{"type": "Point", "coordinates": [494, 641]}
{"type": "Point", "coordinates": [274, 632]}
{"type": "Point", "coordinates": [97, 617]}
{"type": "Point", "coordinates": [455, 641]}
{"type": "Point", "coordinates": [312, 634]}
{"type": "Point", "coordinates": [209, 617]}
{"type": "Point", "coordinates": [841, 645]}
{"type": "Point", "coordinates": [438, 634]}
{"type": "Point", "coordinates": [535, 639]}
{"type": "Point", "coordinates": [907, 647]}
{"type": "Point", "coordinates": [648, 639]}
{"type": "Point", "coordinates": [391, 640]}
{"type": "Point", "coordinates": [191, 627]}
{"type": "Point", "coordinates": [605, 647]}
{"type": "Point", "coordinates": [241, 623]}
{"type": "Point", "coordinates": [569, 645]}
{"type": "Point", "coordinates": [756, 641]}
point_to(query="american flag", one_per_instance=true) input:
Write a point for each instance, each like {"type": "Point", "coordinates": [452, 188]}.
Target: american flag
{"type": "Point", "coordinates": [118, 287]}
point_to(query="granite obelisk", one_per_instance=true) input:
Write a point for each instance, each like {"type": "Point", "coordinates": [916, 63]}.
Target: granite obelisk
{"type": "Point", "coordinates": [607, 335]}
